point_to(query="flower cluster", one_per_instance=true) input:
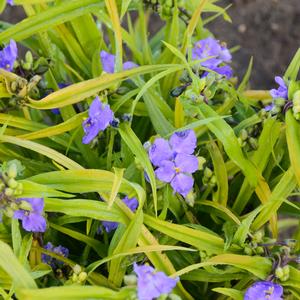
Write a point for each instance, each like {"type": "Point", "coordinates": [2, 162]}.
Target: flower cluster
{"type": "Point", "coordinates": [100, 117]}
{"type": "Point", "coordinates": [175, 161]}
{"type": "Point", "coordinates": [152, 284]}
{"type": "Point", "coordinates": [108, 62]}
{"type": "Point", "coordinates": [264, 290]}
{"type": "Point", "coordinates": [131, 203]}
{"type": "Point", "coordinates": [8, 56]}
{"type": "Point", "coordinates": [216, 56]}
{"type": "Point", "coordinates": [59, 250]}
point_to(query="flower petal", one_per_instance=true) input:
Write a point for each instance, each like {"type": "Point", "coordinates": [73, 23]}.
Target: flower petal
{"type": "Point", "coordinates": [166, 171]}
{"type": "Point", "coordinates": [159, 151]}
{"type": "Point", "coordinates": [186, 163]}
{"type": "Point", "coordinates": [182, 184]}
{"type": "Point", "coordinates": [183, 141]}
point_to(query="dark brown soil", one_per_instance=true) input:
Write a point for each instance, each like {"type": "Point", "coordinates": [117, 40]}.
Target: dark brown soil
{"type": "Point", "coordinates": [268, 30]}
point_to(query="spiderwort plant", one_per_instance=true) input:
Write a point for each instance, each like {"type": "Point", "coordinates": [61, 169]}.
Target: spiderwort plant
{"type": "Point", "coordinates": [182, 101]}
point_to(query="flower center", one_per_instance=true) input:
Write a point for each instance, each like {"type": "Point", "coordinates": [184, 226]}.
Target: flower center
{"type": "Point", "coordinates": [7, 66]}
{"type": "Point", "coordinates": [269, 292]}
{"type": "Point", "coordinates": [177, 170]}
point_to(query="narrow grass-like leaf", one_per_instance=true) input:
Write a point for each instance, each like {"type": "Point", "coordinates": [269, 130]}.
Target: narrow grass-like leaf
{"type": "Point", "coordinates": [8, 262]}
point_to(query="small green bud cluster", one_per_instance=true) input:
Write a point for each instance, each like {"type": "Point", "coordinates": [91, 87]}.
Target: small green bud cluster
{"type": "Point", "coordinates": [246, 140]}
{"type": "Point", "coordinates": [296, 105]}
{"type": "Point", "coordinates": [10, 188]}
{"type": "Point", "coordinates": [166, 8]}
{"type": "Point", "coordinates": [253, 247]}
{"type": "Point", "coordinates": [8, 185]}
{"type": "Point", "coordinates": [209, 178]}
{"type": "Point", "coordinates": [79, 276]}
{"type": "Point", "coordinates": [283, 273]}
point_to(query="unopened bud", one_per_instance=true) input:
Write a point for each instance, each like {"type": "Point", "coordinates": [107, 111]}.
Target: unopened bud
{"type": "Point", "coordinates": [9, 212]}
{"type": "Point", "coordinates": [201, 162]}
{"type": "Point", "coordinates": [279, 273]}
{"type": "Point", "coordinates": [12, 171]}
{"type": "Point", "coordinates": [248, 250]}
{"type": "Point", "coordinates": [74, 277]}
{"type": "Point", "coordinates": [130, 280]}
{"type": "Point", "coordinates": [259, 250]}
{"type": "Point", "coordinates": [77, 269]}
{"type": "Point", "coordinates": [208, 172]}
{"type": "Point", "coordinates": [244, 134]}
{"type": "Point", "coordinates": [12, 183]}
{"type": "Point", "coordinates": [279, 102]}
{"type": "Point", "coordinates": [8, 192]}
{"type": "Point", "coordinates": [28, 57]}
{"type": "Point", "coordinates": [190, 198]}
{"type": "Point", "coordinates": [82, 276]}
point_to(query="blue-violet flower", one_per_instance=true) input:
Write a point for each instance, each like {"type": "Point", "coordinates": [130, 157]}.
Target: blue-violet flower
{"type": "Point", "coordinates": [32, 220]}
{"type": "Point", "coordinates": [151, 284]}
{"type": "Point", "coordinates": [131, 203]}
{"type": "Point", "coordinates": [108, 62]}
{"type": "Point", "coordinates": [281, 91]}
{"type": "Point", "coordinates": [8, 56]}
{"type": "Point", "coordinates": [174, 160]}
{"type": "Point", "coordinates": [100, 117]}
{"type": "Point", "coordinates": [264, 290]}
{"type": "Point", "coordinates": [59, 250]}
{"type": "Point", "coordinates": [219, 54]}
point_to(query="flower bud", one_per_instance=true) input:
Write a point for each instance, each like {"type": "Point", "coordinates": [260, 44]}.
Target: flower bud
{"type": "Point", "coordinates": [82, 276]}
{"type": "Point", "coordinates": [296, 98]}
{"type": "Point", "coordinates": [8, 192]}
{"type": "Point", "coordinates": [253, 143]}
{"type": "Point", "coordinates": [9, 212]}
{"type": "Point", "coordinates": [190, 198]}
{"type": "Point", "coordinates": [12, 171]}
{"type": "Point", "coordinates": [201, 162]}
{"type": "Point", "coordinates": [208, 172]}
{"type": "Point", "coordinates": [2, 186]}
{"type": "Point", "coordinates": [28, 57]}
{"type": "Point", "coordinates": [248, 250]}
{"type": "Point", "coordinates": [257, 237]}
{"type": "Point", "coordinates": [130, 280]}
{"type": "Point", "coordinates": [12, 183]}
{"type": "Point", "coordinates": [77, 269]}
{"type": "Point", "coordinates": [259, 250]}
{"type": "Point", "coordinates": [244, 134]}
{"type": "Point", "coordinates": [279, 102]}
{"type": "Point", "coordinates": [75, 277]}
{"type": "Point", "coordinates": [279, 273]}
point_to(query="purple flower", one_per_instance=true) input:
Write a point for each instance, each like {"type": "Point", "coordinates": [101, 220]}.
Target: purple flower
{"type": "Point", "coordinates": [174, 160]}
{"type": "Point", "coordinates": [8, 56]}
{"type": "Point", "coordinates": [59, 250]}
{"type": "Point", "coordinates": [32, 220]}
{"type": "Point", "coordinates": [108, 62]}
{"type": "Point", "coordinates": [177, 172]}
{"type": "Point", "coordinates": [100, 117]}
{"type": "Point", "coordinates": [263, 290]}
{"type": "Point", "coordinates": [131, 203]}
{"type": "Point", "coordinates": [152, 284]}
{"type": "Point", "coordinates": [219, 54]}
{"type": "Point", "coordinates": [282, 91]}
{"type": "Point", "coordinates": [10, 2]}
